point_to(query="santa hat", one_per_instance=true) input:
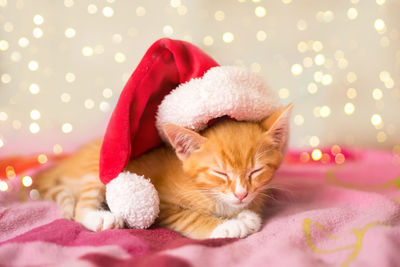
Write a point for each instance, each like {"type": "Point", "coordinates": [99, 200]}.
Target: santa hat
{"type": "Point", "coordinates": [175, 82]}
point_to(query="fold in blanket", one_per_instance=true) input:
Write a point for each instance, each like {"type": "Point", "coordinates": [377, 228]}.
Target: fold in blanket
{"type": "Point", "coordinates": [321, 215]}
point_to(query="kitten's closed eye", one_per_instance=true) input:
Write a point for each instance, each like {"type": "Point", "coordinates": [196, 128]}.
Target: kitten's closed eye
{"type": "Point", "coordinates": [220, 174]}
{"type": "Point", "coordinates": [254, 173]}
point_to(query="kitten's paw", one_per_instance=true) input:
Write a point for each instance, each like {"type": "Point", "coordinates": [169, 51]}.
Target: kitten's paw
{"type": "Point", "coordinates": [231, 228]}
{"type": "Point", "coordinates": [251, 219]}
{"type": "Point", "coordinates": [68, 212]}
{"type": "Point", "coordinates": [99, 220]}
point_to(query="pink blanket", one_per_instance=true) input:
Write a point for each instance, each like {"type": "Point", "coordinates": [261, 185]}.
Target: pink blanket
{"type": "Point", "coordinates": [323, 215]}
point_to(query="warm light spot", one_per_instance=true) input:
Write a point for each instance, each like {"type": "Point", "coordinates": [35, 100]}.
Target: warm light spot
{"type": "Point", "coordinates": [219, 15]}
{"type": "Point", "coordinates": [208, 40]}
{"type": "Point", "coordinates": [298, 119]}
{"type": "Point", "coordinates": [140, 11]}
{"type": "Point", "coordinates": [296, 69]}
{"type": "Point", "coordinates": [376, 120]}
{"type": "Point", "coordinates": [3, 186]}
{"type": "Point", "coordinates": [104, 106]}
{"type": "Point", "coordinates": [119, 57]}
{"type": "Point", "coordinates": [68, 3]}
{"type": "Point", "coordinates": [352, 13]}
{"type": "Point", "coordinates": [381, 137]}
{"type": "Point", "coordinates": [284, 93]}
{"type": "Point", "coordinates": [65, 97]}
{"type": "Point", "coordinates": [326, 79]}
{"type": "Point", "coordinates": [377, 94]}
{"type": "Point", "coordinates": [318, 75]}
{"type": "Point", "coordinates": [92, 9]}
{"type": "Point", "coordinates": [23, 42]}
{"type": "Point", "coordinates": [301, 25]}
{"type": "Point", "coordinates": [27, 181]}
{"type": "Point", "coordinates": [33, 65]}
{"type": "Point", "coordinates": [168, 30]}
{"type": "Point", "coordinates": [384, 76]}
{"type": "Point", "coordinates": [380, 26]}
{"type": "Point", "coordinates": [15, 56]}
{"type": "Point", "coordinates": [349, 108]}
{"type": "Point", "coordinates": [339, 158]}
{"type": "Point", "coordinates": [351, 93]}
{"type": "Point", "coordinates": [3, 45]}
{"type": "Point", "coordinates": [34, 194]}
{"type": "Point", "coordinates": [5, 78]}
{"type": "Point", "coordinates": [35, 114]}
{"type": "Point", "coordinates": [87, 51]}
{"type": "Point", "coordinates": [89, 103]}
{"type": "Point", "coordinates": [108, 12]}
{"type": "Point", "coordinates": [314, 141]}
{"type": "Point", "coordinates": [261, 36]}
{"type": "Point", "coordinates": [335, 149]}
{"type": "Point", "coordinates": [317, 46]}
{"type": "Point", "coordinates": [42, 159]}
{"type": "Point", "coordinates": [312, 88]}
{"type": "Point", "coordinates": [175, 3]}
{"type": "Point", "coordinates": [319, 59]}
{"type": "Point", "coordinates": [325, 111]}
{"type": "Point", "coordinates": [307, 62]}
{"type": "Point", "coordinates": [107, 93]}
{"type": "Point", "coordinates": [66, 127]}
{"type": "Point", "coordinates": [57, 149]}
{"type": "Point", "coordinates": [316, 111]}
{"type": "Point", "coordinates": [1, 143]}
{"type": "Point", "coordinates": [380, 2]}
{"type": "Point", "coordinates": [70, 77]}
{"type": "Point", "coordinates": [302, 47]}
{"type": "Point", "coordinates": [70, 32]}
{"type": "Point", "coordinates": [182, 10]}
{"type": "Point", "coordinates": [8, 27]}
{"type": "Point", "coordinates": [228, 37]}
{"type": "Point", "coordinates": [304, 157]}
{"type": "Point", "coordinates": [286, 2]}
{"type": "Point", "coordinates": [3, 116]}
{"type": "Point", "coordinates": [34, 128]}
{"type": "Point", "coordinates": [351, 77]}
{"type": "Point", "coordinates": [316, 154]}
{"type": "Point", "coordinates": [260, 11]}
{"type": "Point", "coordinates": [37, 32]}
{"type": "Point", "coordinates": [117, 38]}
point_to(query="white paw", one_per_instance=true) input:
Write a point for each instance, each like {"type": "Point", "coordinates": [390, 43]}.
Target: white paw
{"type": "Point", "coordinates": [98, 220]}
{"type": "Point", "coordinates": [231, 228]}
{"type": "Point", "coordinates": [251, 219]}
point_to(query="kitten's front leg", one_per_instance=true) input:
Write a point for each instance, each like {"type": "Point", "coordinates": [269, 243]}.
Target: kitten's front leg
{"type": "Point", "coordinates": [245, 223]}
{"type": "Point", "coordinates": [188, 222]}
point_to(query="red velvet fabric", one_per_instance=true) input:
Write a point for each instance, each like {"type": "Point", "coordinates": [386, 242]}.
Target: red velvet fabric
{"type": "Point", "coordinates": [131, 130]}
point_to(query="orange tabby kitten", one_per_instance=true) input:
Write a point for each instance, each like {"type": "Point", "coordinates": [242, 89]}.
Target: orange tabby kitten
{"type": "Point", "coordinates": [212, 185]}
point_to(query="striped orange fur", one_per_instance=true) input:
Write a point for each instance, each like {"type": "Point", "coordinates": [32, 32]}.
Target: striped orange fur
{"type": "Point", "coordinates": [205, 181]}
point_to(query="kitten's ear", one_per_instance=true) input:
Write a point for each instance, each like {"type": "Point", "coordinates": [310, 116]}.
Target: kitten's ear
{"type": "Point", "coordinates": [183, 140]}
{"type": "Point", "coordinates": [277, 125]}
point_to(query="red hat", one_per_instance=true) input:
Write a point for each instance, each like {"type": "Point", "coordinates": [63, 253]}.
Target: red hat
{"type": "Point", "coordinates": [132, 128]}
{"type": "Point", "coordinates": [178, 83]}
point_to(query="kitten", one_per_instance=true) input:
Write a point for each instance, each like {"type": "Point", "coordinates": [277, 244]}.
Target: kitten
{"type": "Point", "coordinates": [210, 184]}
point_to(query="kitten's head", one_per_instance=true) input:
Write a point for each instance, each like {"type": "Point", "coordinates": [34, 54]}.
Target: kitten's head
{"type": "Point", "coordinates": [232, 161]}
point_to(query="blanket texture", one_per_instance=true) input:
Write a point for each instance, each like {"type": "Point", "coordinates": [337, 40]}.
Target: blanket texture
{"type": "Point", "coordinates": [321, 215]}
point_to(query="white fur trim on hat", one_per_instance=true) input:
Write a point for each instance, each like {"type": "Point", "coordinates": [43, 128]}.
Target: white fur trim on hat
{"type": "Point", "coordinates": [223, 90]}
{"type": "Point", "coordinates": [134, 198]}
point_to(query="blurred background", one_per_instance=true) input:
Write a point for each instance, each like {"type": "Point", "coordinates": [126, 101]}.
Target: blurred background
{"type": "Point", "coordinates": [63, 64]}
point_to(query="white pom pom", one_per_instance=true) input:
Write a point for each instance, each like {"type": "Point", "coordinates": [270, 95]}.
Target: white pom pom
{"type": "Point", "coordinates": [134, 198]}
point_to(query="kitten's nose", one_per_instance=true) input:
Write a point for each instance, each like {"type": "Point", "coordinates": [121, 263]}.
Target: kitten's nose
{"type": "Point", "coordinates": [240, 195]}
